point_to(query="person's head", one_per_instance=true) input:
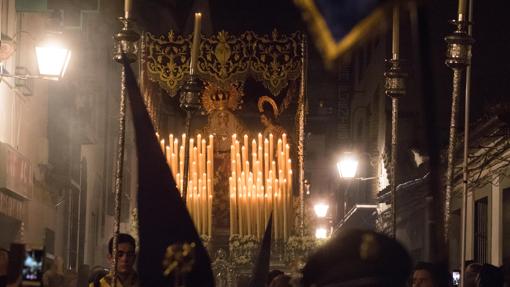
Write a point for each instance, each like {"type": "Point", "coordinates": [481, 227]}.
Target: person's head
{"type": "Point", "coordinates": [4, 261]}
{"type": "Point", "coordinates": [470, 274]}
{"type": "Point", "coordinates": [125, 253]}
{"type": "Point", "coordinates": [272, 275]}
{"type": "Point", "coordinates": [468, 262]}
{"type": "Point", "coordinates": [268, 110]}
{"type": "Point", "coordinates": [266, 119]}
{"type": "Point", "coordinates": [424, 275]}
{"type": "Point", "coordinates": [490, 275]}
{"type": "Point", "coordinates": [358, 258]}
{"type": "Point", "coordinates": [281, 280]}
{"type": "Point", "coordinates": [427, 274]}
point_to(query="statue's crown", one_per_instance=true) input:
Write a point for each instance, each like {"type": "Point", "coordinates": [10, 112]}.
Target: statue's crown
{"type": "Point", "coordinates": [221, 98]}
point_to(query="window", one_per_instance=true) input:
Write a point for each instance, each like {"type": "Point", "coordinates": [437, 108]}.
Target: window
{"type": "Point", "coordinates": [481, 230]}
{"type": "Point", "coordinates": [506, 225]}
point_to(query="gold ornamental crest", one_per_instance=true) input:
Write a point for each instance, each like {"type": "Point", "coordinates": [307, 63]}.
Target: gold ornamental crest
{"type": "Point", "coordinates": [216, 98]}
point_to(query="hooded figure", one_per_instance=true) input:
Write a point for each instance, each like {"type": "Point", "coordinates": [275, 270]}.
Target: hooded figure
{"type": "Point", "coordinates": [358, 258]}
{"type": "Point", "coordinates": [261, 268]}
{"type": "Point", "coordinates": [163, 220]}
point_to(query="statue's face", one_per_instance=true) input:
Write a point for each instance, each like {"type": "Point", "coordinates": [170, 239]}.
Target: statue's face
{"type": "Point", "coordinates": [265, 120]}
{"type": "Point", "coordinates": [223, 119]}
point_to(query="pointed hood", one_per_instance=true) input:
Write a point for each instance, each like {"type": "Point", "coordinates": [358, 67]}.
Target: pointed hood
{"type": "Point", "coordinates": [162, 216]}
{"type": "Point", "coordinates": [261, 268]}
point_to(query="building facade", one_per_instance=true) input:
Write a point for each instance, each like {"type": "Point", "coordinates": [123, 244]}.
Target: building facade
{"type": "Point", "coordinates": [58, 139]}
{"type": "Point", "coordinates": [488, 196]}
{"type": "Point", "coordinates": [27, 207]}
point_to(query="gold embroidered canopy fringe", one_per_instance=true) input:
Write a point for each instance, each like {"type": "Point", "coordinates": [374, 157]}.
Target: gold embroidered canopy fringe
{"type": "Point", "coordinates": [224, 58]}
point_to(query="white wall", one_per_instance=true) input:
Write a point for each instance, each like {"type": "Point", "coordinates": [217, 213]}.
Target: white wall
{"type": "Point", "coordinates": [494, 192]}
{"type": "Point", "coordinates": [496, 218]}
{"type": "Point", "coordinates": [8, 102]}
{"type": "Point", "coordinates": [24, 119]}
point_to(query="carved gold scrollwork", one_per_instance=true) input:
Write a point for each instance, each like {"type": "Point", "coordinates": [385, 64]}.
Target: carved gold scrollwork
{"type": "Point", "coordinates": [276, 60]}
{"type": "Point", "coordinates": [168, 60]}
{"type": "Point", "coordinates": [273, 60]}
{"type": "Point", "coordinates": [224, 58]}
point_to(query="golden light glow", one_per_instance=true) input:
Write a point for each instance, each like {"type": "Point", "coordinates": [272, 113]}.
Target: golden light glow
{"type": "Point", "coordinates": [263, 184]}
{"type": "Point", "coordinates": [347, 166]}
{"type": "Point", "coordinates": [200, 187]}
{"type": "Point", "coordinates": [321, 209]}
{"type": "Point", "coordinates": [321, 233]}
{"type": "Point", "coordinates": [52, 59]}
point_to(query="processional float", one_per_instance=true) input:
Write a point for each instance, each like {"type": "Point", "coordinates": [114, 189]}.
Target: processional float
{"type": "Point", "coordinates": [238, 172]}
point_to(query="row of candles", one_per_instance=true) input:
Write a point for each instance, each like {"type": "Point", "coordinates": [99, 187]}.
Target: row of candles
{"type": "Point", "coordinates": [260, 183]}
{"type": "Point", "coordinates": [200, 178]}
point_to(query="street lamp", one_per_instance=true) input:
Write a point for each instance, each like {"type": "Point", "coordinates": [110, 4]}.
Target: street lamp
{"type": "Point", "coordinates": [347, 166]}
{"type": "Point", "coordinates": [321, 209]}
{"type": "Point", "coordinates": [52, 60]}
{"type": "Point", "coordinates": [321, 233]}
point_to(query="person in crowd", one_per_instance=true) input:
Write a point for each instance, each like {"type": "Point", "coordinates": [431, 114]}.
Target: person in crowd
{"type": "Point", "coordinates": [471, 272]}
{"type": "Point", "coordinates": [96, 273]}
{"type": "Point", "coordinates": [272, 275]}
{"type": "Point", "coordinates": [281, 280]}
{"type": "Point", "coordinates": [4, 262]}
{"type": "Point", "coordinates": [358, 258]}
{"type": "Point", "coordinates": [427, 274]}
{"type": "Point", "coordinates": [126, 275]}
{"type": "Point", "coordinates": [424, 275]}
{"type": "Point", "coordinates": [16, 258]}
{"type": "Point", "coordinates": [54, 277]}
{"type": "Point", "coordinates": [70, 278]}
{"type": "Point", "coordinates": [490, 275]}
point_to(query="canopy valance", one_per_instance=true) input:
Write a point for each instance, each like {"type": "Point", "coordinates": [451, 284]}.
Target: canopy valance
{"type": "Point", "coordinates": [224, 58]}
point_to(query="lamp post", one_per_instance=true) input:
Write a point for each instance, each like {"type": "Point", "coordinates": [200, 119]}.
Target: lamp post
{"type": "Point", "coordinates": [458, 58]}
{"type": "Point", "coordinates": [125, 47]}
{"type": "Point", "coordinates": [394, 88]}
{"type": "Point", "coordinates": [347, 167]}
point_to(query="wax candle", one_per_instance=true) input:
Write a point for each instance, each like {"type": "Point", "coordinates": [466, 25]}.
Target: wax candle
{"type": "Point", "coordinates": [253, 152]}
{"type": "Point", "coordinates": [162, 145]}
{"type": "Point", "coordinates": [171, 142]}
{"type": "Point", "coordinates": [240, 206]}
{"type": "Point", "coordinates": [271, 147]}
{"type": "Point", "coordinates": [195, 48]}
{"type": "Point", "coordinates": [231, 196]}
{"type": "Point", "coordinates": [284, 203]}
{"type": "Point", "coordinates": [245, 150]}
{"type": "Point", "coordinates": [209, 231]}
{"type": "Point", "coordinates": [168, 155]}
{"type": "Point", "coordinates": [204, 198]}
{"type": "Point", "coordinates": [276, 213]}
{"type": "Point", "coordinates": [127, 8]}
